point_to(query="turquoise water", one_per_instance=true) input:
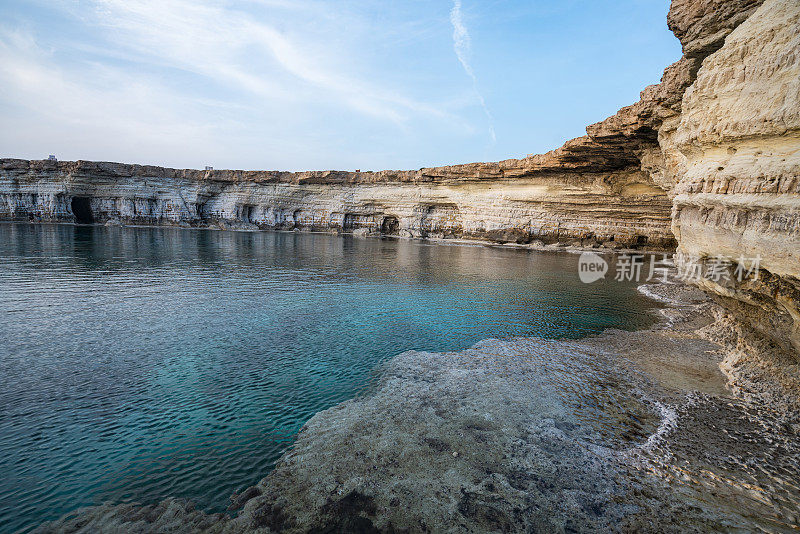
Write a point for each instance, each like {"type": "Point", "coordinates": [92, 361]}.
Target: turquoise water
{"type": "Point", "coordinates": [139, 363]}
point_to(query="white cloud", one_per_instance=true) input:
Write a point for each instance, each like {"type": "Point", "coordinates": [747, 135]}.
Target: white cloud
{"type": "Point", "coordinates": [237, 83]}
{"type": "Point", "coordinates": [113, 104]}
{"type": "Point", "coordinates": [462, 45]}
{"type": "Point", "coordinates": [234, 48]}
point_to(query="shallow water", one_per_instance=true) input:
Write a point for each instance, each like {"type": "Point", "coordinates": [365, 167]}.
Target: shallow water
{"type": "Point", "coordinates": [139, 363]}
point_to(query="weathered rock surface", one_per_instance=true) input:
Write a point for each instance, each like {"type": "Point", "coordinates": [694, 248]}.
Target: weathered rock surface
{"type": "Point", "coordinates": [738, 170]}
{"type": "Point", "coordinates": [534, 199]}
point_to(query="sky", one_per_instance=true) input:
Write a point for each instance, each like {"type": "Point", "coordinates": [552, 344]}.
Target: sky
{"type": "Point", "coordinates": [312, 84]}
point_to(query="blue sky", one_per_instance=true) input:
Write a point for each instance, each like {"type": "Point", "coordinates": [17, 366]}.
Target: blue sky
{"type": "Point", "coordinates": [309, 84]}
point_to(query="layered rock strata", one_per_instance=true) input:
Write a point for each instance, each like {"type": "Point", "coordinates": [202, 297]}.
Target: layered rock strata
{"type": "Point", "coordinates": [737, 169]}
{"type": "Point", "coordinates": [517, 200]}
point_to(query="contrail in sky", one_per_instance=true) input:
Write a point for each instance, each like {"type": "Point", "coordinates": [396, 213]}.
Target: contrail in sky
{"type": "Point", "coordinates": [461, 46]}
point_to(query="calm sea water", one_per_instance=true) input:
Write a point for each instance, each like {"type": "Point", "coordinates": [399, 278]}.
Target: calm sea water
{"type": "Point", "coordinates": [139, 363]}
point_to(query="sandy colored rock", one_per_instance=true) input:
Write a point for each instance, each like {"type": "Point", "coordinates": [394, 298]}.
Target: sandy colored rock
{"type": "Point", "coordinates": [479, 201]}
{"type": "Point", "coordinates": [738, 190]}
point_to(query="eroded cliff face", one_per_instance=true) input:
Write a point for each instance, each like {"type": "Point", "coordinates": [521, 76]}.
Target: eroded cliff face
{"type": "Point", "coordinates": [736, 165]}
{"type": "Point", "coordinates": [515, 200]}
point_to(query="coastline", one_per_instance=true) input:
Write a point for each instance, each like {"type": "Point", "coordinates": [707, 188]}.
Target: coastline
{"type": "Point", "coordinates": [692, 424]}
{"type": "Point", "coordinates": [467, 441]}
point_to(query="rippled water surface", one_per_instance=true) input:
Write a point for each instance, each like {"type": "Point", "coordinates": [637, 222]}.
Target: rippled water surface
{"type": "Point", "coordinates": [139, 363]}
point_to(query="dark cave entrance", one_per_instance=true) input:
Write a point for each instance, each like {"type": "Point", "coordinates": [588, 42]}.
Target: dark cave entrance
{"type": "Point", "coordinates": [248, 213]}
{"type": "Point", "coordinates": [390, 226]}
{"type": "Point", "coordinates": [82, 210]}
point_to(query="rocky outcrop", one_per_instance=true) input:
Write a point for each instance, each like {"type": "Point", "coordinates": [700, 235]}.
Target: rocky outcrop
{"type": "Point", "coordinates": [737, 169]}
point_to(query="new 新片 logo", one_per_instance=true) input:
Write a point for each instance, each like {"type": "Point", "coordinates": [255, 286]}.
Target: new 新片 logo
{"type": "Point", "coordinates": [591, 267]}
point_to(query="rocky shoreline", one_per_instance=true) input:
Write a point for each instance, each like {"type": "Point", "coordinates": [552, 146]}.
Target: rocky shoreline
{"type": "Point", "coordinates": [626, 431]}
{"type": "Point", "coordinates": [538, 205]}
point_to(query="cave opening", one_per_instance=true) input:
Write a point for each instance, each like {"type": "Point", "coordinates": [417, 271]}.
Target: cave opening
{"type": "Point", "coordinates": [390, 226]}
{"type": "Point", "coordinates": [82, 210]}
{"type": "Point", "coordinates": [247, 213]}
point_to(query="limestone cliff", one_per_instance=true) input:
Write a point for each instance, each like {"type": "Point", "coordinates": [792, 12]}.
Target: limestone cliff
{"type": "Point", "coordinates": [737, 169]}
{"type": "Point", "coordinates": [542, 197]}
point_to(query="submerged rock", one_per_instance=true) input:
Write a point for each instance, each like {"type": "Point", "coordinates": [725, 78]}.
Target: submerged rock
{"type": "Point", "coordinates": [623, 432]}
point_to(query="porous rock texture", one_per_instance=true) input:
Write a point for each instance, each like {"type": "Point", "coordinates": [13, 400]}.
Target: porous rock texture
{"type": "Point", "coordinates": [738, 170]}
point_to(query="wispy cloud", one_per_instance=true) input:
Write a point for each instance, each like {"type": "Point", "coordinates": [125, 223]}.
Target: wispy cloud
{"type": "Point", "coordinates": [462, 45]}
{"type": "Point", "coordinates": [233, 47]}
{"type": "Point", "coordinates": [114, 109]}
{"type": "Point", "coordinates": [256, 83]}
